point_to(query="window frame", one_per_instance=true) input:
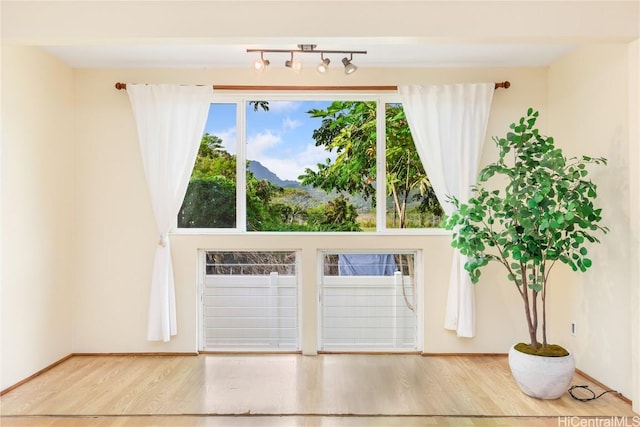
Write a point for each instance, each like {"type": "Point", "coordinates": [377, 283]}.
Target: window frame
{"type": "Point", "coordinates": [240, 99]}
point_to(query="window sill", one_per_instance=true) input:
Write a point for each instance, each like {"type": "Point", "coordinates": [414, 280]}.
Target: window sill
{"type": "Point", "coordinates": [217, 232]}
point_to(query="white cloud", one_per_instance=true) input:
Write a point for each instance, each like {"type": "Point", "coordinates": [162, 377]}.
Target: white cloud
{"type": "Point", "coordinates": [289, 124]}
{"type": "Point", "coordinates": [260, 143]}
{"type": "Point", "coordinates": [290, 165]}
{"type": "Point", "coordinates": [229, 138]}
{"type": "Point", "coordinates": [283, 106]}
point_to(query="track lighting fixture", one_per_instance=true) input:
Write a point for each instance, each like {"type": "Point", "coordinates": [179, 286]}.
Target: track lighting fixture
{"type": "Point", "coordinates": [295, 64]}
{"type": "Point", "coordinates": [323, 66]}
{"type": "Point", "coordinates": [349, 68]}
{"type": "Point", "coordinates": [261, 63]}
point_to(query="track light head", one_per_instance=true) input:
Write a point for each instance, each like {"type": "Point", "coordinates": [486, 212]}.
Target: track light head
{"type": "Point", "coordinates": [261, 64]}
{"type": "Point", "coordinates": [349, 68]}
{"type": "Point", "coordinates": [323, 66]}
{"type": "Point", "coordinates": [294, 64]}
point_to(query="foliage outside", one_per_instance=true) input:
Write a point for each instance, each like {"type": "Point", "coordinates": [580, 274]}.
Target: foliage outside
{"type": "Point", "coordinates": [541, 211]}
{"type": "Point", "coordinates": [347, 129]}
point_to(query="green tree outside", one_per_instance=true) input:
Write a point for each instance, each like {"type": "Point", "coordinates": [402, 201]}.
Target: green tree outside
{"type": "Point", "coordinates": [210, 201]}
{"type": "Point", "coordinates": [349, 129]}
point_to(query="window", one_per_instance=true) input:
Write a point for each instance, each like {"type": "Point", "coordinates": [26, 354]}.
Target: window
{"type": "Point", "coordinates": [290, 163]}
{"type": "Point", "coordinates": [368, 302]}
{"type": "Point", "coordinates": [410, 202]}
{"type": "Point", "coordinates": [211, 198]}
{"type": "Point", "coordinates": [285, 150]}
{"type": "Point", "coordinates": [249, 301]}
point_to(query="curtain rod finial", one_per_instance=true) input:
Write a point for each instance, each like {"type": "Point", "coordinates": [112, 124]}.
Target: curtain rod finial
{"type": "Point", "coordinates": [121, 86]}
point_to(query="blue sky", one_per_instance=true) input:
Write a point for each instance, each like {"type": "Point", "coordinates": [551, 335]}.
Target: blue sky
{"type": "Point", "coordinates": [280, 139]}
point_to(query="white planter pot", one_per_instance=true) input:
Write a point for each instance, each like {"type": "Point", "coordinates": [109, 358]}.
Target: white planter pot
{"type": "Point", "coordinates": [542, 377]}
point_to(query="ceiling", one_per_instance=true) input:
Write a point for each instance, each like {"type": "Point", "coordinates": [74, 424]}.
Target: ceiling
{"type": "Point", "coordinates": [383, 53]}
{"type": "Point", "coordinates": [396, 34]}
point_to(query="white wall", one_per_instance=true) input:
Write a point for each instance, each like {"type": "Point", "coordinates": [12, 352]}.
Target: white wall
{"type": "Point", "coordinates": [589, 114]}
{"type": "Point", "coordinates": [117, 235]}
{"type": "Point", "coordinates": [37, 212]}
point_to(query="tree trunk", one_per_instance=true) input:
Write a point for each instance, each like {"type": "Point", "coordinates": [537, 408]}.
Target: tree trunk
{"type": "Point", "coordinates": [534, 315]}
{"type": "Point", "coordinates": [544, 313]}
{"type": "Point", "coordinates": [396, 202]}
{"type": "Point", "coordinates": [533, 336]}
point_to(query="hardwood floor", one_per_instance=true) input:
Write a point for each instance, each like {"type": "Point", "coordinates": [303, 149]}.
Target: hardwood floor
{"type": "Point", "coordinates": [300, 421]}
{"type": "Point", "coordinates": [291, 390]}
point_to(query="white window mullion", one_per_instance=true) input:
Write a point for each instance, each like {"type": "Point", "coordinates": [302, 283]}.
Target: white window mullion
{"type": "Point", "coordinates": [381, 167]}
{"type": "Point", "coordinates": [241, 166]}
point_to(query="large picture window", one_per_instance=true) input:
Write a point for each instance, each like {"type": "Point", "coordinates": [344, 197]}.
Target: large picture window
{"type": "Point", "coordinates": [274, 163]}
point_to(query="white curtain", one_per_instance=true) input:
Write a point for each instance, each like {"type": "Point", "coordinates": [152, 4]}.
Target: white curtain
{"type": "Point", "coordinates": [448, 124]}
{"type": "Point", "coordinates": [170, 121]}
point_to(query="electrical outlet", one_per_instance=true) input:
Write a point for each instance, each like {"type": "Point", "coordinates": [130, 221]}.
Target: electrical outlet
{"type": "Point", "coordinates": [573, 328]}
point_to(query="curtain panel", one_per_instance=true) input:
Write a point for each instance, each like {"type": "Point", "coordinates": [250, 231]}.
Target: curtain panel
{"type": "Point", "coordinates": [170, 120]}
{"type": "Point", "coordinates": [448, 124]}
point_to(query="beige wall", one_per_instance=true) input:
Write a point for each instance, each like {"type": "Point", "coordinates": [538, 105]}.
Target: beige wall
{"type": "Point", "coordinates": [589, 114]}
{"type": "Point", "coordinates": [634, 196]}
{"type": "Point", "coordinates": [37, 212]}
{"type": "Point", "coordinates": [116, 233]}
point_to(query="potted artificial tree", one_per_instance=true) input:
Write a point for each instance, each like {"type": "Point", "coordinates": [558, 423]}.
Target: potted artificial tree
{"type": "Point", "coordinates": [531, 209]}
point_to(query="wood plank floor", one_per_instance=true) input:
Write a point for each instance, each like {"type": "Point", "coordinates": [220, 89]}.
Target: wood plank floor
{"type": "Point", "coordinates": [290, 390]}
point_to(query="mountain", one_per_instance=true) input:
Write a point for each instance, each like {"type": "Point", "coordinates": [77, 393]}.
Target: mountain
{"type": "Point", "coordinates": [262, 172]}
